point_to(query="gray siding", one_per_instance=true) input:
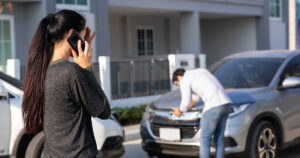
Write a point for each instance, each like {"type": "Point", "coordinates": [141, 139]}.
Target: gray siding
{"type": "Point", "coordinates": [278, 35]}
{"type": "Point", "coordinates": [246, 7]}
{"type": "Point", "coordinates": [221, 37]}
{"type": "Point", "coordinates": [27, 17]}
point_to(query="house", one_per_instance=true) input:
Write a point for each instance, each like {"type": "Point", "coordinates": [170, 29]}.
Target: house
{"type": "Point", "coordinates": [139, 40]}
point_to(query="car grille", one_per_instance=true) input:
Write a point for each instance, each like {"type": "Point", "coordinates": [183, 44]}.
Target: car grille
{"type": "Point", "coordinates": [173, 149]}
{"type": "Point", "coordinates": [185, 131]}
{"type": "Point", "coordinates": [228, 142]}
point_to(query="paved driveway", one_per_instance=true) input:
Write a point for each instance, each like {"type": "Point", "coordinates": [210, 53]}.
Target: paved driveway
{"type": "Point", "coordinates": [133, 149]}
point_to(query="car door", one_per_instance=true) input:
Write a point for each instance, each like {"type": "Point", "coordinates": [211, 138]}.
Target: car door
{"type": "Point", "coordinates": [4, 122]}
{"type": "Point", "coordinates": [289, 101]}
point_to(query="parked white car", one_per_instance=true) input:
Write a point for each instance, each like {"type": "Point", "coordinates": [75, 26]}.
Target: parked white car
{"type": "Point", "coordinates": [109, 134]}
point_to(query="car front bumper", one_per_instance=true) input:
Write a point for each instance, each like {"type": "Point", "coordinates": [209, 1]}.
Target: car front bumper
{"type": "Point", "coordinates": [113, 147]}
{"type": "Point", "coordinates": [111, 153]}
{"type": "Point", "coordinates": [235, 138]}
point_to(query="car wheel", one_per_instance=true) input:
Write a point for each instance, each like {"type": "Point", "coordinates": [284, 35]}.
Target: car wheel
{"type": "Point", "coordinates": [264, 141]}
{"type": "Point", "coordinates": [35, 147]}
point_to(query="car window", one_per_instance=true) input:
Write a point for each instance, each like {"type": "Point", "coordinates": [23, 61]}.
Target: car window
{"type": "Point", "coordinates": [247, 72]}
{"type": "Point", "coordinates": [292, 68]}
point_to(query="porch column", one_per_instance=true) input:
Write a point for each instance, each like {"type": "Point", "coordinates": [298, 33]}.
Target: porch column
{"type": "Point", "coordinates": [292, 25]}
{"type": "Point", "coordinates": [263, 29]}
{"type": "Point", "coordinates": [186, 61]}
{"type": "Point", "coordinates": [14, 68]}
{"type": "Point", "coordinates": [190, 32]}
{"type": "Point", "coordinates": [104, 71]}
{"type": "Point", "coordinates": [100, 11]}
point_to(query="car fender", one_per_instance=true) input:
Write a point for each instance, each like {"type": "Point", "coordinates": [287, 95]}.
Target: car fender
{"type": "Point", "coordinates": [104, 129]}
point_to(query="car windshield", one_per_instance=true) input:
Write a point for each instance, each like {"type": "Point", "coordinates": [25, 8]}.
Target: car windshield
{"type": "Point", "coordinates": [246, 72]}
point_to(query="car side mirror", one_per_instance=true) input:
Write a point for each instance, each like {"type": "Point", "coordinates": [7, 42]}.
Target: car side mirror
{"type": "Point", "coordinates": [290, 82]}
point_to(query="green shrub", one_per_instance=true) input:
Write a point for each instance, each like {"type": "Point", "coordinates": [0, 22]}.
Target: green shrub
{"type": "Point", "coordinates": [131, 115]}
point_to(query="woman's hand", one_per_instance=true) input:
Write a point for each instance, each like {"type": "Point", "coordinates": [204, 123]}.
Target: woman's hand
{"type": "Point", "coordinates": [88, 36]}
{"type": "Point", "coordinates": [84, 58]}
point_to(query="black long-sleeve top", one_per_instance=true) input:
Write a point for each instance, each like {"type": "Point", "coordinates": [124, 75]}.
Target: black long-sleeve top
{"type": "Point", "coordinates": [72, 96]}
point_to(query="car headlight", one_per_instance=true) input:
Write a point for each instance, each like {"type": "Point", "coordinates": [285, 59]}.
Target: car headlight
{"type": "Point", "coordinates": [150, 109]}
{"type": "Point", "coordinates": [237, 109]}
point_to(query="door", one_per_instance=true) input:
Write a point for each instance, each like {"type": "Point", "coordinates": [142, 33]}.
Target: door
{"type": "Point", "coordinates": [5, 121]}
{"type": "Point", "coordinates": [289, 101]}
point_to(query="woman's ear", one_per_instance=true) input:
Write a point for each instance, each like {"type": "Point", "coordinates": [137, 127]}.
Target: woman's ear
{"type": "Point", "coordinates": [70, 32]}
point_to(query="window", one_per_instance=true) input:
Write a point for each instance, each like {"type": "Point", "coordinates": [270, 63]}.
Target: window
{"type": "Point", "coordinates": [292, 69]}
{"type": "Point", "coordinates": [246, 72]}
{"type": "Point", "coordinates": [72, 4]}
{"type": "Point", "coordinates": [298, 22]}
{"type": "Point", "coordinates": [145, 41]}
{"type": "Point", "coordinates": [6, 49]}
{"type": "Point", "coordinates": [275, 9]}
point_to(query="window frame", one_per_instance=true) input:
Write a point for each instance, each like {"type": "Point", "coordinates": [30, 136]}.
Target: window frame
{"type": "Point", "coordinates": [294, 61]}
{"type": "Point", "coordinates": [73, 6]}
{"type": "Point", "coordinates": [145, 28]}
{"type": "Point", "coordinates": [280, 12]}
{"type": "Point", "coordinates": [10, 18]}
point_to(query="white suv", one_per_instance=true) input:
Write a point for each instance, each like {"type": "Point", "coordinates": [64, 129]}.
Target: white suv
{"type": "Point", "coordinates": [109, 134]}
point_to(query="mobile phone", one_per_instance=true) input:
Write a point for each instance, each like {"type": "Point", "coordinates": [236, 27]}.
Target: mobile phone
{"type": "Point", "coordinates": [73, 40]}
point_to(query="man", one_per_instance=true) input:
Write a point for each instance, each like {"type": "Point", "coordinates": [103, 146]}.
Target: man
{"type": "Point", "coordinates": [200, 83]}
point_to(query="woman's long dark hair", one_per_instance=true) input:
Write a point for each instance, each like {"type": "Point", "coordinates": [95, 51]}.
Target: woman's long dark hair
{"type": "Point", "coordinates": [51, 29]}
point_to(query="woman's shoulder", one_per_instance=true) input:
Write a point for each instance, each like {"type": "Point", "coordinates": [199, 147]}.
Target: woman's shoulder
{"type": "Point", "coordinates": [75, 70]}
{"type": "Point", "coordinates": [70, 69]}
{"type": "Point", "coordinates": [64, 66]}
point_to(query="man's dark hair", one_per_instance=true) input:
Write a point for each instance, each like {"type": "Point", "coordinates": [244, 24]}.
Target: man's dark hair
{"type": "Point", "coordinates": [178, 72]}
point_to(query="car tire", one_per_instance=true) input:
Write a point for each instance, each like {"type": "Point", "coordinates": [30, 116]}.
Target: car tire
{"type": "Point", "coordinates": [264, 141]}
{"type": "Point", "coordinates": [35, 147]}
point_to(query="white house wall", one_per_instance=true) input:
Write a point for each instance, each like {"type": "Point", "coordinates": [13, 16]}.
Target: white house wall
{"type": "Point", "coordinates": [123, 35]}
{"type": "Point", "coordinates": [117, 39]}
{"type": "Point", "coordinates": [277, 35]}
{"type": "Point", "coordinates": [221, 37]}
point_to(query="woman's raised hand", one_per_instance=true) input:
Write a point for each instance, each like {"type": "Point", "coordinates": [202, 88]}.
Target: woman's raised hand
{"type": "Point", "coordinates": [85, 57]}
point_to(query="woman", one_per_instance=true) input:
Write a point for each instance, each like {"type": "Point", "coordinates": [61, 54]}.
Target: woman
{"type": "Point", "coordinates": [61, 96]}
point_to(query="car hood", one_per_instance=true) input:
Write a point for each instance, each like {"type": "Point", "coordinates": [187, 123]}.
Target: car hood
{"type": "Point", "coordinates": [238, 96]}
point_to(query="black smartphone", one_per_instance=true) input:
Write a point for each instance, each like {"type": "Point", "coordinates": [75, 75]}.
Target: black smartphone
{"type": "Point", "coordinates": [73, 40]}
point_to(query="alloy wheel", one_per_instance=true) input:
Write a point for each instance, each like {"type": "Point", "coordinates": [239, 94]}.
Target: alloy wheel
{"type": "Point", "coordinates": [267, 144]}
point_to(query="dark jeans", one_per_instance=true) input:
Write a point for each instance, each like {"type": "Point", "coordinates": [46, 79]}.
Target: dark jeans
{"type": "Point", "coordinates": [213, 123]}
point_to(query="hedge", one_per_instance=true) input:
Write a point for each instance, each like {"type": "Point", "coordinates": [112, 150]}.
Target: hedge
{"type": "Point", "coordinates": [131, 115]}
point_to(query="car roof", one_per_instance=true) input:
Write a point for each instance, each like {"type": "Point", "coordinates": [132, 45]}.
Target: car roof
{"type": "Point", "coordinates": [11, 80]}
{"type": "Point", "coordinates": [264, 54]}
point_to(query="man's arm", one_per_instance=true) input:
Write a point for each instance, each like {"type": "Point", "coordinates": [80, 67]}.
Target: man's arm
{"type": "Point", "coordinates": [195, 99]}
{"type": "Point", "coordinates": [186, 95]}
{"type": "Point", "coordinates": [192, 103]}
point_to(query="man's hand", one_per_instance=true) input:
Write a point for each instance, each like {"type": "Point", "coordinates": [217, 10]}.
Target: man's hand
{"type": "Point", "coordinates": [177, 112]}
